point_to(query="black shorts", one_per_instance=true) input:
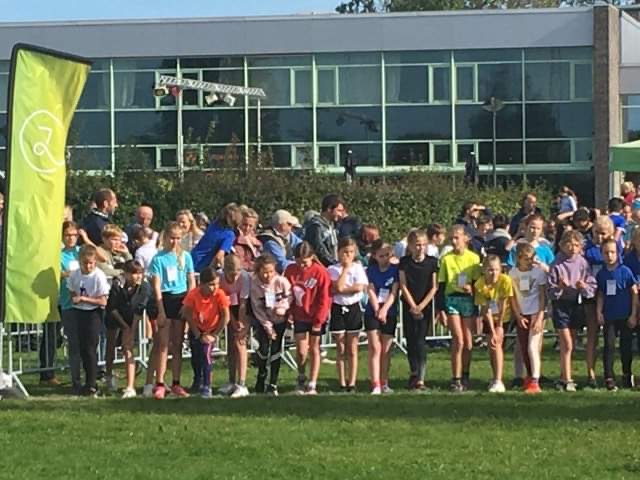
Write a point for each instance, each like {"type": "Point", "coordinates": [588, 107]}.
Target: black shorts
{"type": "Point", "coordinates": [567, 314]}
{"type": "Point", "coordinates": [307, 327]}
{"type": "Point", "coordinates": [387, 328]}
{"type": "Point", "coordinates": [345, 318]}
{"type": "Point", "coordinates": [112, 324]}
{"type": "Point", "coordinates": [173, 304]}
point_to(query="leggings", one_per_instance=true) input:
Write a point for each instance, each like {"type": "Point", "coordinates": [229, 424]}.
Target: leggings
{"type": "Point", "coordinates": [89, 326]}
{"type": "Point", "coordinates": [415, 332]}
{"type": "Point", "coordinates": [201, 361]}
{"type": "Point", "coordinates": [611, 330]}
{"type": "Point", "coordinates": [273, 356]}
{"type": "Point", "coordinates": [529, 343]}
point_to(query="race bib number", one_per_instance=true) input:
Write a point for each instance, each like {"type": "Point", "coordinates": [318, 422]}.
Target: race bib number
{"type": "Point", "coordinates": [172, 274]}
{"type": "Point", "coordinates": [493, 307]}
{"type": "Point", "coordinates": [270, 299]}
{"type": "Point", "coordinates": [383, 295]}
{"type": "Point", "coordinates": [462, 279]}
{"type": "Point", "coordinates": [525, 284]}
{"type": "Point", "coordinates": [298, 293]}
{"type": "Point", "coordinates": [74, 265]}
{"type": "Point", "coordinates": [611, 288]}
{"type": "Point", "coordinates": [233, 299]}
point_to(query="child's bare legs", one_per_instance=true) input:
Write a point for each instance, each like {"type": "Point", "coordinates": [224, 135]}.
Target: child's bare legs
{"type": "Point", "coordinates": [314, 358]}
{"type": "Point", "coordinates": [128, 335]}
{"type": "Point", "coordinates": [352, 357]}
{"type": "Point", "coordinates": [592, 338]}
{"type": "Point", "coordinates": [232, 353]}
{"type": "Point", "coordinates": [160, 350]}
{"type": "Point", "coordinates": [467, 325]}
{"type": "Point", "coordinates": [496, 353]}
{"type": "Point", "coordinates": [385, 358]}
{"type": "Point", "coordinates": [565, 336]}
{"type": "Point", "coordinates": [177, 337]}
{"type": "Point", "coordinates": [457, 344]}
{"type": "Point", "coordinates": [340, 339]}
{"type": "Point", "coordinates": [375, 349]}
{"type": "Point", "coordinates": [302, 352]}
{"type": "Point", "coordinates": [241, 359]}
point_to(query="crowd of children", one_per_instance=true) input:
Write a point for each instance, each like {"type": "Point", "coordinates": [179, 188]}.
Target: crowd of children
{"type": "Point", "coordinates": [484, 275]}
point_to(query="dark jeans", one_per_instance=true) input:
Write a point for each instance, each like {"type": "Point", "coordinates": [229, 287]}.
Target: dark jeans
{"type": "Point", "coordinates": [70, 325]}
{"type": "Point", "coordinates": [48, 346]}
{"type": "Point", "coordinates": [415, 332]}
{"type": "Point", "coordinates": [273, 356]}
{"type": "Point", "coordinates": [201, 361]}
{"type": "Point", "coordinates": [611, 330]}
{"type": "Point", "coordinates": [89, 327]}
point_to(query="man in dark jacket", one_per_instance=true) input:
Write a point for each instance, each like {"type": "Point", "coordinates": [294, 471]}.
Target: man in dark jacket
{"type": "Point", "coordinates": [106, 202]}
{"type": "Point", "coordinates": [529, 206]}
{"type": "Point", "coordinates": [321, 229]}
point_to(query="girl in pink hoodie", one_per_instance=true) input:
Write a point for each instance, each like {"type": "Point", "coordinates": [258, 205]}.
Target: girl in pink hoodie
{"type": "Point", "coordinates": [270, 297]}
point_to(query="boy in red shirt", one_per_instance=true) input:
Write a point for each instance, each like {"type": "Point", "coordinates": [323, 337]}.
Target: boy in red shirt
{"type": "Point", "coordinates": [309, 311]}
{"type": "Point", "coordinates": [206, 309]}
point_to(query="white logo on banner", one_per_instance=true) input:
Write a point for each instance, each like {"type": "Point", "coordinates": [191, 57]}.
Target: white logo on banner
{"type": "Point", "coordinates": [39, 156]}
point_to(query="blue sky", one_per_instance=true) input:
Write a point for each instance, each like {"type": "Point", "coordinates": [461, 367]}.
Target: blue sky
{"type": "Point", "coordinates": [42, 10]}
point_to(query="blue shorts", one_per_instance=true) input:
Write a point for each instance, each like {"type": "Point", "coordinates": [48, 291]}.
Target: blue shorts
{"type": "Point", "coordinates": [461, 305]}
{"type": "Point", "coordinates": [567, 314]}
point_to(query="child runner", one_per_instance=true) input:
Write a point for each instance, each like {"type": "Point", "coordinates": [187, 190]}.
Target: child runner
{"type": "Point", "coordinates": [633, 223]}
{"type": "Point", "coordinates": [493, 294]}
{"type": "Point", "coordinates": [127, 302]}
{"type": "Point", "coordinates": [146, 249]}
{"type": "Point", "coordinates": [311, 286]}
{"type": "Point", "coordinates": [418, 282]}
{"type": "Point", "coordinates": [602, 230]}
{"type": "Point", "coordinates": [534, 235]}
{"type": "Point", "coordinates": [236, 283]}
{"type": "Point", "coordinates": [436, 235]}
{"type": "Point", "coordinates": [528, 304]}
{"type": "Point", "coordinates": [617, 303]}
{"type": "Point", "coordinates": [570, 282]}
{"type": "Point", "coordinates": [247, 246]}
{"type": "Point", "coordinates": [172, 275]}
{"type": "Point", "coordinates": [349, 281]}
{"type": "Point", "coordinates": [69, 263]}
{"type": "Point", "coordinates": [459, 269]}
{"type": "Point", "coordinates": [89, 289]}
{"type": "Point", "coordinates": [270, 300]}
{"type": "Point", "coordinates": [381, 315]}
{"type": "Point", "coordinates": [114, 251]}
{"type": "Point", "coordinates": [206, 309]}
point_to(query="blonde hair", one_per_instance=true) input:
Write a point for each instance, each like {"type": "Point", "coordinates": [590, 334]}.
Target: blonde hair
{"type": "Point", "coordinates": [414, 235]}
{"type": "Point", "coordinates": [231, 263]}
{"type": "Point", "coordinates": [194, 229]}
{"type": "Point", "coordinates": [173, 227]}
{"type": "Point", "coordinates": [459, 228]}
{"type": "Point", "coordinates": [110, 231]}
{"type": "Point", "coordinates": [571, 236]}
{"type": "Point", "coordinates": [248, 212]}
{"type": "Point", "coordinates": [604, 221]}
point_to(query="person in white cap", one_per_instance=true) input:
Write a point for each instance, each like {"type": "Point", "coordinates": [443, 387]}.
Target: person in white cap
{"type": "Point", "coordinates": [279, 240]}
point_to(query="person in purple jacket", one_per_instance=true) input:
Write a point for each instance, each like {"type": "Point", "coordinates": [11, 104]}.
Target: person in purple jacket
{"type": "Point", "coordinates": [570, 282]}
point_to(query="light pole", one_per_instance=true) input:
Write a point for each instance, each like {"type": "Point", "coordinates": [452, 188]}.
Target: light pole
{"type": "Point", "coordinates": [493, 105]}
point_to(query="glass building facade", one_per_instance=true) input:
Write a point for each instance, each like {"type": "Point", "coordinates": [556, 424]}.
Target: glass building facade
{"type": "Point", "coordinates": [631, 117]}
{"type": "Point", "coordinates": [393, 110]}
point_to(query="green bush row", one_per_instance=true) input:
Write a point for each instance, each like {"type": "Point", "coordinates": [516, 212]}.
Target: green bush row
{"type": "Point", "coordinates": [393, 203]}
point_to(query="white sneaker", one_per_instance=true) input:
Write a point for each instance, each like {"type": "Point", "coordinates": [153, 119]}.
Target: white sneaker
{"type": "Point", "coordinates": [310, 391]}
{"type": "Point", "coordinates": [386, 389]}
{"type": "Point", "coordinates": [147, 391]}
{"type": "Point", "coordinates": [112, 384]}
{"type": "Point", "coordinates": [227, 389]}
{"type": "Point", "coordinates": [240, 391]}
{"type": "Point", "coordinates": [129, 393]}
{"type": "Point", "coordinates": [496, 386]}
{"type": "Point", "coordinates": [376, 391]}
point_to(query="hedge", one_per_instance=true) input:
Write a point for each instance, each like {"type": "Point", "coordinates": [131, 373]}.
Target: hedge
{"type": "Point", "coordinates": [393, 203]}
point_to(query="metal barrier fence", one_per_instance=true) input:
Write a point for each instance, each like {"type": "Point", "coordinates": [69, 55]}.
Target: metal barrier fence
{"type": "Point", "coordinates": [41, 348]}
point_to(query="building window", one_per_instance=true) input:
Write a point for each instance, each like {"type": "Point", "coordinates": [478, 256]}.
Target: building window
{"type": "Point", "coordinates": [465, 82]}
{"type": "Point", "coordinates": [134, 89]}
{"type": "Point", "coordinates": [282, 125]}
{"type": "Point", "coordinates": [559, 120]}
{"type": "Point", "coordinates": [473, 122]}
{"type": "Point", "coordinates": [503, 81]}
{"type": "Point", "coordinates": [275, 83]}
{"type": "Point", "coordinates": [583, 150]}
{"type": "Point", "coordinates": [364, 154]}
{"type": "Point", "coordinates": [95, 95]}
{"type": "Point", "coordinates": [419, 123]}
{"type": "Point", "coordinates": [546, 152]}
{"type": "Point", "coordinates": [583, 81]}
{"type": "Point", "coordinates": [507, 153]}
{"type": "Point", "coordinates": [408, 154]}
{"type": "Point", "coordinates": [359, 85]}
{"type": "Point", "coordinates": [344, 124]}
{"type": "Point", "coordinates": [441, 84]}
{"type": "Point", "coordinates": [302, 87]}
{"type": "Point", "coordinates": [631, 124]}
{"type": "Point", "coordinates": [328, 155]}
{"type": "Point", "coordinates": [548, 81]}
{"type": "Point", "coordinates": [442, 154]}
{"type": "Point", "coordinates": [327, 86]}
{"type": "Point", "coordinates": [407, 84]}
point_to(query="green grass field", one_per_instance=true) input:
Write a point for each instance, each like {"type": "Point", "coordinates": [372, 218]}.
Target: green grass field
{"type": "Point", "coordinates": [404, 435]}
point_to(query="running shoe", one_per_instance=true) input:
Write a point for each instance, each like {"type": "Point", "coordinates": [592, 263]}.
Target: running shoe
{"type": "Point", "coordinates": [517, 383]}
{"type": "Point", "coordinates": [272, 390]}
{"type": "Point", "coordinates": [570, 386]}
{"type": "Point", "coordinates": [610, 383]}
{"type": "Point", "coordinates": [376, 390]}
{"type": "Point", "coordinates": [592, 384]}
{"type": "Point", "coordinates": [310, 391]}
{"type": "Point", "coordinates": [147, 390]}
{"type": "Point", "coordinates": [205, 392]}
{"type": "Point", "coordinates": [227, 389]}
{"type": "Point", "coordinates": [496, 386]}
{"type": "Point", "coordinates": [178, 391]}
{"type": "Point", "coordinates": [533, 387]}
{"type": "Point", "coordinates": [386, 389]}
{"type": "Point", "coordinates": [129, 393]}
{"type": "Point", "coordinates": [456, 387]}
{"type": "Point", "coordinates": [159, 392]}
{"type": "Point", "coordinates": [240, 391]}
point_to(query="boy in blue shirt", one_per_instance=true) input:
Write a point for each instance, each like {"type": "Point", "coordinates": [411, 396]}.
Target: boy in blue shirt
{"type": "Point", "coordinates": [616, 309]}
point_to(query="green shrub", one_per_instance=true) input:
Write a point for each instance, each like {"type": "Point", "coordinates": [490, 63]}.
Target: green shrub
{"type": "Point", "coordinates": [394, 203]}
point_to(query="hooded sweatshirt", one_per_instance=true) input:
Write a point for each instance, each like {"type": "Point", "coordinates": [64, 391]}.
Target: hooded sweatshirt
{"type": "Point", "coordinates": [311, 293]}
{"type": "Point", "coordinates": [322, 236]}
{"type": "Point", "coordinates": [497, 242]}
{"type": "Point", "coordinates": [571, 269]}
{"type": "Point", "coordinates": [265, 299]}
